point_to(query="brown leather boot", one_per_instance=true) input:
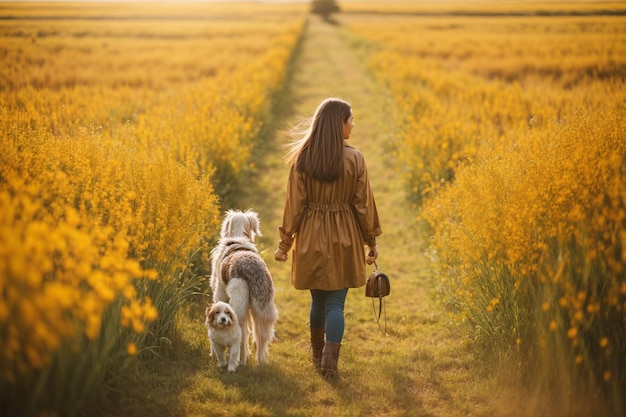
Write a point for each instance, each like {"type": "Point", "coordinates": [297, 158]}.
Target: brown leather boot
{"type": "Point", "coordinates": [330, 357]}
{"type": "Point", "coordinates": [317, 344]}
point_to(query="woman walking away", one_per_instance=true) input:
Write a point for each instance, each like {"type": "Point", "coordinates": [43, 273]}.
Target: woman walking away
{"type": "Point", "coordinates": [330, 215]}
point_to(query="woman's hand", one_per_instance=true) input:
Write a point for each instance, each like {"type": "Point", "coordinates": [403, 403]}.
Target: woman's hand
{"type": "Point", "coordinates": [280, 255]}
{"type": "Point", "coordinates": [372, 255]}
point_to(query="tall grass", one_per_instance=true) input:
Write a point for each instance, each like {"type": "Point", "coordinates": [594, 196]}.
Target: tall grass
{"type": "Point", "coordinates": [512, 142]}
{"type": "Point", "coordinates": [536, 260]}
{"type": "Point", "coordinates": [110, 185]}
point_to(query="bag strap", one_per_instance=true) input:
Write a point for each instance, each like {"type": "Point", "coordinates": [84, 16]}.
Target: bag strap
{"type": "Point", "coordinates": [381, 309]}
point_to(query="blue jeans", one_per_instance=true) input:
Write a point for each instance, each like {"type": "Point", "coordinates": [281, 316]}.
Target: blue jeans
{"type": "Point", "coordinates": [327, 312]}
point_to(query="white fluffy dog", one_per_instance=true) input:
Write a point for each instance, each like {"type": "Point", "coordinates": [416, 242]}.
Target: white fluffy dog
{"type": "Point", "coordinates": [224, 333]}
{"type": "Point", "coordinates": [240, 277]}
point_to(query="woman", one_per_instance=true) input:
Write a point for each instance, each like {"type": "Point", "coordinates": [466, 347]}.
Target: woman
{"type": "Point", "coordinates": [330, 215]}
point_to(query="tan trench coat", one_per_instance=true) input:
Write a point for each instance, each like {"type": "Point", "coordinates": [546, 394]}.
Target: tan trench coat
{"type": "Point", "coordinates": [330, 223]}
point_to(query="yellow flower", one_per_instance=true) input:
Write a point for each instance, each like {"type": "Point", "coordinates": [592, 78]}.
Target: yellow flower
{"type": "Point", "coordinates": [150, 312]}
{"type": "Point", "coordinates": [578, 316]}
{"type": "Point", "coordinates": [138, 326]}
{"type": "Point", "coordinates": [572, 333]}
{"type": "Point", "coordinates": [131, 349]}
{"type": "Point", "coordinates": [92, 326]}
{"type": "Point", "coordinates": [593, 308]}
{"type": "Point", "coordinates": [553, 325]}
{"type": "Point", "coordinates": [492, 304]}
{"type": "Point", "coordinates": [604, 342]}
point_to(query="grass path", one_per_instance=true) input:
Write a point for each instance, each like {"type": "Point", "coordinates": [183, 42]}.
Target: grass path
{"type": "Point", "coordinates": [421, 367]}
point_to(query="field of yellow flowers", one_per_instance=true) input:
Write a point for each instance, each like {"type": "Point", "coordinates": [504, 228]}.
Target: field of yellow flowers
{"type": "Point", "coordinates": [123, 128]}
{"type": "Point", "coordinates": [511, 134]}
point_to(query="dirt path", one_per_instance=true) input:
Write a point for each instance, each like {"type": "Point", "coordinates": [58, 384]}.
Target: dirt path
{"type": "Point", "coordinates": [420, 365]}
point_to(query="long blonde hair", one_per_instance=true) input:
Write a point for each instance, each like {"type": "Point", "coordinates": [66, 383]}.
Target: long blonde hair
{"type": "Point", "coordinates": [319, 151]}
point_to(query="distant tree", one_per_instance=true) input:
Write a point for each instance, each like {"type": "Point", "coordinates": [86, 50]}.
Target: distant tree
{"type": "Point", "coordinates": [324, 7]}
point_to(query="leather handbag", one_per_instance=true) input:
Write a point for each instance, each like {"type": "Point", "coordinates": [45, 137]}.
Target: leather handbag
{"type": "Point", "coordinates": [378, 286]}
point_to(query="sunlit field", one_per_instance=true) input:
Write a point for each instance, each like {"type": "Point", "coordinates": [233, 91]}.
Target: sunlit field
{"type": "Point", "coordinates": [510, 132]}
{"type": "Point", "coordinates": [123, 128]}
{"type": "Point", "coordinates": [127, 129]}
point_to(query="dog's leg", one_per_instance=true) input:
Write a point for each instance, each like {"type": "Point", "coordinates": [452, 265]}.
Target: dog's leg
{"type": "Point", "coordinates": [261, 340]}
{"type": "Point", "coordinates": [233, 360]}
{"type": "Point", "coordinates": [220, 354]}
{"type": "Point", "coordinates": [238, 294]}
{"type": "Point", "coordinates": [213, 352]}
{"type": "Point", "coordinates": [244, 350]}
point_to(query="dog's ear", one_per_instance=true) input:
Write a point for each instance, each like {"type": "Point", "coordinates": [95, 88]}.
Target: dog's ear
{"type": "Point", "coordinates": [227, 224]}
{"type": "Point", "coordinates": [211, 311]}
{"type": "Point", "coordinates": [254, 224]}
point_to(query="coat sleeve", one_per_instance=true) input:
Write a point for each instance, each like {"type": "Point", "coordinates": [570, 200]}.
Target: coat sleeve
{"type": "Point", "coordinates": [295, 204]}
{"type": "Point", "coordinates": [365, 207]}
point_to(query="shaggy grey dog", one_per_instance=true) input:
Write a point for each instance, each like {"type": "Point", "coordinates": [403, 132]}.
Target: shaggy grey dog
{"type": "Point", "coordinates": [240, 277]}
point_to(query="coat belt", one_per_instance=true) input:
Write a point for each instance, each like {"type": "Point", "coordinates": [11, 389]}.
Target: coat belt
{"type": "Point", "coordinates": [328, 206]}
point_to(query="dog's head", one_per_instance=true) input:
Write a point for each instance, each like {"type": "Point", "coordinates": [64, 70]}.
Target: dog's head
{"type": "Point", "coordinates": [220, 316]}
{"type": "Point", "coordinates": [241, 224]}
